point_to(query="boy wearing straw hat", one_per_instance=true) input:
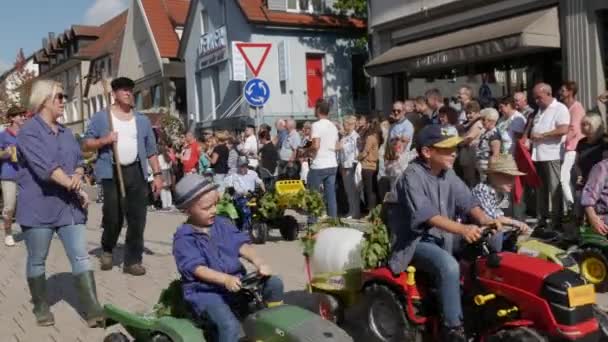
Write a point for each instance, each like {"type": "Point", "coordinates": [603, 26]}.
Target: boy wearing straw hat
{"type": "Point", "coordinates": [490, 194]}
{"type": "Point", "coordinates": [207, 251]}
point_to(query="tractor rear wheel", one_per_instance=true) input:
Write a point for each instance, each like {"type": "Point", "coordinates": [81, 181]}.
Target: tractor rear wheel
{"type": "Point", "coordinates": [288, 226]}
{"type": "Point", "coordinates": [521, 334]}
{"type": "Point", "coordinates": [385, 316]}
{"type": "Point", "coordinates": [161, 338]}
{"type": "Point", "coordinates": [594, 268]}
{"type": "Point", "coordinates": [259, 233]}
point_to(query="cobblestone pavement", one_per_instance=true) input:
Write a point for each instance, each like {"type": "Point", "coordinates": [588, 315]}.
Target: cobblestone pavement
{"type": "Point", "coordinates": [132, 293]}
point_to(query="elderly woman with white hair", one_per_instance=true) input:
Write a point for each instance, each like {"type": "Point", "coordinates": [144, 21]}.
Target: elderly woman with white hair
{"type": "Point", "coordinates": [591, 149]}
{"type": "Point", "coordinates": [348, 165]}
{"type": "Point", "coordinates": [489, 142]}
{"type": "Point", "coordinates": [51, 201]}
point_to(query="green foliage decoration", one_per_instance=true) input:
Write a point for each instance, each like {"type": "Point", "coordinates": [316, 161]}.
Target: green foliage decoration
{"type": "Point", "coordinates": [375, 248]}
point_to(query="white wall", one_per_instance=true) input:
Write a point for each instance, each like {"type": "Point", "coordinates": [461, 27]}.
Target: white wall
{"type": "Point", "coordinates": [139, 56]}
{"type": "Point", "coordinates": [383, 11]}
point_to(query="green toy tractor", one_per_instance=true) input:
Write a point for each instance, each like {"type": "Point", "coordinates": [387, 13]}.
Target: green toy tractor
{"type": "Point", "coordinates": [171, 321]}
{"type": "Point", "coordinates": [592, 255]}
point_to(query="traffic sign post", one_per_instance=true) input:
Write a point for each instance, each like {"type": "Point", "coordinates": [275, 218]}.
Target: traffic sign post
{"type": "Point", "coordinates": [256, 90]}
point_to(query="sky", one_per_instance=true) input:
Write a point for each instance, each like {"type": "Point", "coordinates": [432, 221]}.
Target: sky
{"type": "Point", "coordinates": [23, 23]}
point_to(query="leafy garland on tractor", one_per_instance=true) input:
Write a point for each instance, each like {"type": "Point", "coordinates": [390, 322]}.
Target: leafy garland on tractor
{"type": "Point", "coordinates": [272, 205]}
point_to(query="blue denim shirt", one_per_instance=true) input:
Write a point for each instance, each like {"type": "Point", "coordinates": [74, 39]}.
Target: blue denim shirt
{"type": "Point", "coordinates": [9, 168]}
{"type": "Point", "coordinates": [218, 250]}
{"type": "Point", "coordinates": [422, 195]}
{"type": "Point", "coordinates": [146, 144]}
{"type": "Point", "coordinates": [40, 201]}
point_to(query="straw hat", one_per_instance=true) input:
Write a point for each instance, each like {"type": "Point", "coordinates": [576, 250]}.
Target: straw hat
{"type": "Point", "coordinates": [504, 164]}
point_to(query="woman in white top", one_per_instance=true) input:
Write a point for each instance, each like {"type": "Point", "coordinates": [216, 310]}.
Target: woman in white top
{"type": "Point", "coordinates": [348, 165]}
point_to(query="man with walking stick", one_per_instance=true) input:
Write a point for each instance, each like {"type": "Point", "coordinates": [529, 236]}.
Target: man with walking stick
{"type": "Point", "coordinates": [126, 144]}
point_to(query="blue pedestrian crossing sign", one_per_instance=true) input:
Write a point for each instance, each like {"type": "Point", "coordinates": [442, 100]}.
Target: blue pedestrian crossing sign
{"type": "Point", "coordinates": [257, 92]}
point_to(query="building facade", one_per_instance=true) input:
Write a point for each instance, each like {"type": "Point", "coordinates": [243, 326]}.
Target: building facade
{"type": "Point", "coordinates": [149, 54]}
{"type": "Point", "coordinates": [313, 55]}
{"type": "Point", "coordinates": [507, 45]}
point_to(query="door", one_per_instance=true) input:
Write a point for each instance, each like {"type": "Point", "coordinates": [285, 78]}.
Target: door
{"type": "Point", "coordinates": [314, 79]}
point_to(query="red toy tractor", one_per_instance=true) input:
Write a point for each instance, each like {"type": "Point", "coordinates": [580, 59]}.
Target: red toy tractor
{"type": "Point", "coordinates": [505, 297]}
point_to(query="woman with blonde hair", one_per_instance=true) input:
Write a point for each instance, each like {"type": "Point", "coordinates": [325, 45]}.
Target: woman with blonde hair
{"type": "Point", "coordinates": [591, 149]}
{"type": "Point", "coordinates": [50, 180]}
{"type": "Point", "coordinates": [219, 159]}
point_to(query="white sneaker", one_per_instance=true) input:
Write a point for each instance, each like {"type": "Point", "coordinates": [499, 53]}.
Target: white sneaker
{"type": "Point", "coordinates": [9, 241]}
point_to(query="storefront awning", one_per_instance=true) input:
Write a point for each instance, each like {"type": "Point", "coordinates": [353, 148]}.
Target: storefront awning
{"type": "Point", "coordinates": [505, 38]}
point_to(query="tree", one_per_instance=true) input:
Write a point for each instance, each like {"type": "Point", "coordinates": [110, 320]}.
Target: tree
{"type": "Point", "coordinates": [16, 87]}
{"type": "Point", "coordinates": [358, 8]}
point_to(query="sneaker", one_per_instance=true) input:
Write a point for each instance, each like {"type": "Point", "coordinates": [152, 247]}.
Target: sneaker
{"type": "Point", "coordinates": [134, 270]}
{"type": "Point", "coordinates": [545, 234]}
{"type": "Point", "coordinates": [9, 241]}
{"type": "Point", "coordinates": [105, 261]}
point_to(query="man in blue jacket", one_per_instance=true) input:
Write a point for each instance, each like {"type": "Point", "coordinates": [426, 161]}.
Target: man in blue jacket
{"type": "Point", "coordinates": [136, 146]}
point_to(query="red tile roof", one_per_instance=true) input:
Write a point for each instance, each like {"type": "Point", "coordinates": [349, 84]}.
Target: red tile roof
{"type": "Point", "coordinates": [257, 12]}
{"type": "Point", "coordinates": [85, 30]}
{"type": "Point", "coordinates": [164, 16]}
{"type": "Point", "coordinates": [110, 38]}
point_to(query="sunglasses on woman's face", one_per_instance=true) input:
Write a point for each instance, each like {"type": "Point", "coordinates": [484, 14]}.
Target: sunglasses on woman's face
{"type": "Point", "coordinates": [61, 97]}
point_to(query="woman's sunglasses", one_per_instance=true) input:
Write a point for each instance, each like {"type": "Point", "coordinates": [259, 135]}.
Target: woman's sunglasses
{"type": "Point", "coordinates": [61, 97]}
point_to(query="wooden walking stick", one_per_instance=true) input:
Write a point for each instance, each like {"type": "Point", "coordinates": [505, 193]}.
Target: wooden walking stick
{"type": "Point", "coordinates": [121, 182]}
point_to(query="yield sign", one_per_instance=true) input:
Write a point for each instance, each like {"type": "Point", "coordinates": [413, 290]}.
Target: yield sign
{"type": "Point", "coordinates": [254, 55]}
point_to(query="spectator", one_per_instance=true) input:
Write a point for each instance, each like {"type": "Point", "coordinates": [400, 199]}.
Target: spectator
{"type": "Point", "coordinates": [592, 148]}
{"type": "Point", "coordinates": [448, 119]}
{"type": "Point", "coordinates": [219, 159]}
{"type": "Point", "coordinates": [190, 154]}
{"type": "Point", "coordinates": [511, 126]}
{"type": "Point", "coordinates": [369, 156]}
{"type": "Point", "coordinates": [489, 142]}
{"type": "Point", "coordinates": [289, 148]}
{"type": "Point", "coordinates": [400, 142]}
{"type": "Point", "coordinates": [282, 133]}
{"type": "Point", "coordinates": [304, 152]}
{"type": "Point", "coordinates": [522, 106]}
{"type": "Point", "coordinates": [9, 169]}
{"type": "Point", "coordinates": [233, 153]}
{"type": "Point", "coordinates": [465, 95]}
{"type": "Point", "coordinates": [269, 157]}
{"type": "Point", "coordinates": [166, 168]}
{"type": "Point", "coordinates": [384, 184]}
{"type": "Point", "coordinates": [424, 110]}
{"type": "Point", "coordinates": [473, 129]}
{"type": "Point", "coordinates": [51, 183]}
{"type": "Point", "coordinates": [414, 117]}
{"type": "Point", "coordinates": [568, 93]}
{"type": "Point", "coordinates": [551, 124]}
{"type": "Point", "coordinates": [594, 198]}
{"type": "Point", "coordinates": [348, 158]}
{"type": "Point", "coordinates": [435, 101]}
{"type": "Point", "coordinates": [324, 164]}
{"type": "Point", "coordinates": [249, 148]}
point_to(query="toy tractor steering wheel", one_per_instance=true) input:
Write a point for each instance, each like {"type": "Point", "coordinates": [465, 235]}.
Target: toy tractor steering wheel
{"type": "Point", "coordinates": [252, 281]}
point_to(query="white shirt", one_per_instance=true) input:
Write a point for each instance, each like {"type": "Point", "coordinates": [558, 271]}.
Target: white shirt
{"type": "Point", "coordinates": [127, 140]}
{"type": "Point", "coordinates": [508, 128]}
{"type": "Point", "coordinates": [243, 184]}
{"type": "Point", "coordinates": [250, 149]}
{"type": "Point", "coordinates": [549, 149]}
{"type": "Point", "coordinates": [327, 133]}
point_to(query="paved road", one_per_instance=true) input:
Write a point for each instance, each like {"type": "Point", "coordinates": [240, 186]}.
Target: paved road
{"type": "Point", "coordinates": [132, 293]}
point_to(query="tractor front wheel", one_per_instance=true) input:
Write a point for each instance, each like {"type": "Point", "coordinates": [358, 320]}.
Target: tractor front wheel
{"type": "Point", "coordinates": [116, 337]}
{"type": "Point", "coordinates": [330, 308]}
{"type": "Point", "coordinates": [288, 226]}
{"type": "Point", "coordinates": [594, 268]}
{"type": "Point", "coordinates": [385, 316]}
{"type": "Point", "coordinates": [161, 338]}
{"type": "Point", "coordinates": [259, 232]}
{"type": "Point", "coordinates": [521, 334]}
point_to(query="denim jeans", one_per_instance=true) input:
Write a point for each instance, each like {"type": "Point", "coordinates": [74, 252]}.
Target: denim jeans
{"type": "Point", "coordinates": [228, 326]}
{"type": "Point", "coordinates": [327, 177]}
{"type": "Point", "coordinates": [38, 241]}
{"type": "Point", "coordinates": [445, 271]}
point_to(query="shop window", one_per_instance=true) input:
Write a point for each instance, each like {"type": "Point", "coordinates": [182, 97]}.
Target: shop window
{"type": "Point", "coordinates": [93, 105]}
{"type": "Point", "coordinates": [204, 22]}
{"type": "Point", "coordinates": [139, 101]}
{"type": "Point", "coordinates": [310, 6]}
{"type": "Point", "coordinates": [603, 38]}
{"type": "Point", "coordinates": [155, 93]}
{"type": "Point", "coordinates": [360, 82]}
{"type": "Point", "coordinates": [101, 102]}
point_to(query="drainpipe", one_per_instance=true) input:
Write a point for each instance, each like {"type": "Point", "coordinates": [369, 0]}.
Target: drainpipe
{"type": "Point", "coordinates": [82, 100]}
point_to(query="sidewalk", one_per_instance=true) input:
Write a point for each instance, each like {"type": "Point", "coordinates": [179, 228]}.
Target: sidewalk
{"type": "Point", "coordinates": [132, 293]}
